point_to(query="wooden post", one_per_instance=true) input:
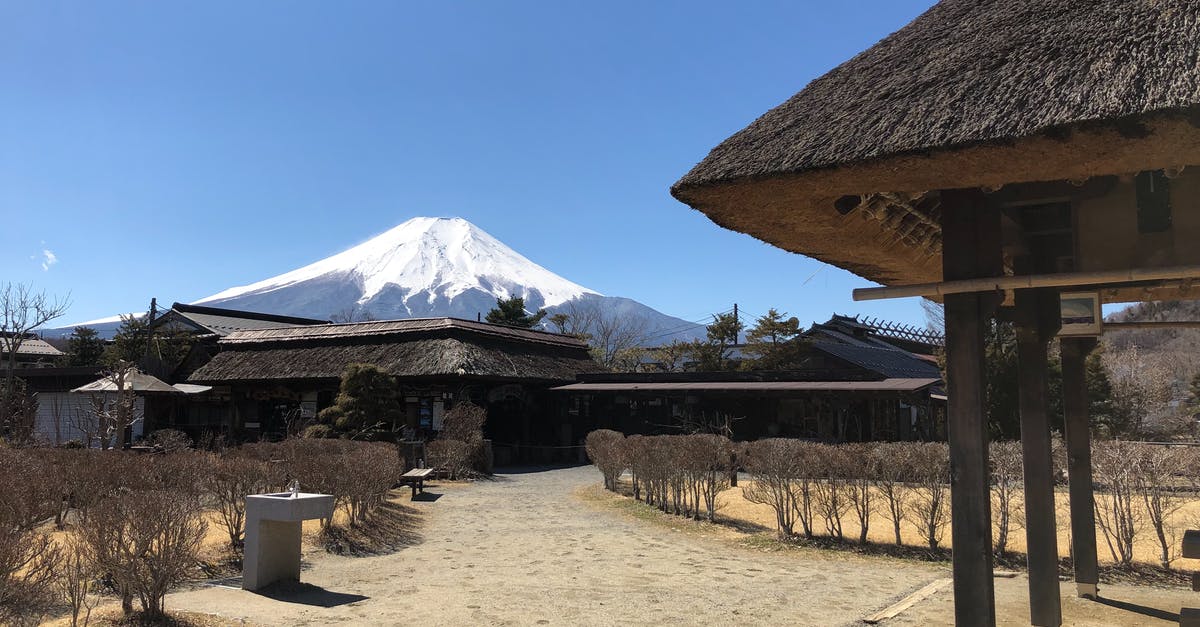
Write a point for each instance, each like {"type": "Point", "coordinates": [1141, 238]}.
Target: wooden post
{"type": "Point", "coordinates": [1077, 433]}
{"type": "Point", "coordinates": [970, 249]}
{"type": "Point", "coordinates": [1038, 320]}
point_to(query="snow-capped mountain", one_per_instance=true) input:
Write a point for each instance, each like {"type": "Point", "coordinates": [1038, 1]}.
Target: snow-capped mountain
{"type": "Point", "coordinates": [423, 267]}
{"type": "Point", "coordinates": [431, 267]}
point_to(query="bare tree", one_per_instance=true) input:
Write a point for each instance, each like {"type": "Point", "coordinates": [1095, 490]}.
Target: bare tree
{"type": "Point", "coordinates": [354, 313]}
{"type": "Point", "coordinates": [616, 338]}
{"type": "Point", "coordinates": [1141, 389]}
{"type": "Point", "coordinates": [893, 461]}
{"type": "Point", "coordinates": [75, 580]}
{"type": "Point", "coordinates": [147, 544]}
{"type": "Point", "coordinates": [1115, 464]}
{"type": "Point", "coordinates": [227, 482]}
{"type": "Point", "coordinates": [776, 466]}
{"type": "Point", "coordinates": [828, 468]}
{"type": "Point", "coordinates": [22, 311]}
{"type": "Point", "coordinates": [1158, 469]}
{"type": "Point", "coordinates": [1006, 483]}
{"type": "Point", "coordinates": [930, 493]}
{"type": "Point", "coordinates": [110, 413]}
{"type": "Point", "coordinates": [862, 469]}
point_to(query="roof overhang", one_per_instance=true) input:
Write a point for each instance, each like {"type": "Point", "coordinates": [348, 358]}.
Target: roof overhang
{"type": "Point", "coordinates": [886, 385]}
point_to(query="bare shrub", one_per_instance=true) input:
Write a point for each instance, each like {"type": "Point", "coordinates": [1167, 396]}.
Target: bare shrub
{"type": "Point", "coordinates": [147, 542]}
{"type": "Point", "coordinates": [27, 556]}
{"type": "Point", "coordinates": [828, 468]}
{"type": "Point", "coordinates": [27, 563]}
{"type": "Point", "coordinates": [373, 469]}
{"type": "Point", "coordinates": [861, 470]}
{"type": "Point", "coordinates": [1115, 466]}
{"type": "Point", "coordinates": [604, 448]}
{"type": "Point", "coordinates": [453, 456]}
{"type": "Point", "coordinates": [930, 490]}
{"type": "Point", "coordinates": [463, 423]}
{"type": "Point", "coordinates": [893, 461]}
{"type": "Point", "coordinates": [75, 580]}
{"type": "Point", "coordinates": [633, 454]}
{"type": "Point", "coordinates": [170, 440]}
{"type": "Point", "coordinates": [776, 466]}
{"type": "Point", "coordinates": [1159, 469]}
{"type": "Point", "coordinates": [1006, 482]}
{"type": "Point", "coordinates": [359, 475]}
{"type": "Point", "coordinates": [710, 465]}
{"type": "Point", "coordinates": [228, 480]}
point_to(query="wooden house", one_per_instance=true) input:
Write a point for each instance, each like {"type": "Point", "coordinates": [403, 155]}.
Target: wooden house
{"type": "Point", "coordinates": [856, 383]}
{"type": "Point", "coordinates": [267, 379]}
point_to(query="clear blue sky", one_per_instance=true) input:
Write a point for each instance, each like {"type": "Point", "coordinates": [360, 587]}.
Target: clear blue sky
{"type": "Point", "coordinates": [176, 149]}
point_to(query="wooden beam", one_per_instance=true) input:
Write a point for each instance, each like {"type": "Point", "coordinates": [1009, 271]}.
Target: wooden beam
{"type": "Point", "coordinates": [903, 604]}
{"type": "Point", "coordinates": [971, 248]}
{"type": "Point", "coordinates": [1098, 280]}
{"type": "Point", "coordinates": [1037, 312]}
{"type": "Point", "coordinates": [1077, 433]}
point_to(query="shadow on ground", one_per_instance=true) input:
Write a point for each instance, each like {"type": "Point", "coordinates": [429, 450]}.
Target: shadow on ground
{"type": "Point", "coordinates": [1144, 610]}
{"type": "Point", "coordinates": [308, 594]}
{"type": "Point", "coordinates": [390, 528]}
{"type": "Point", "coordinates": [524, 470]}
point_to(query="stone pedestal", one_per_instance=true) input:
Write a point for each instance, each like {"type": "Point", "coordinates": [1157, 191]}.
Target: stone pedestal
{"type": "Point", "coordinates": [273, 532]}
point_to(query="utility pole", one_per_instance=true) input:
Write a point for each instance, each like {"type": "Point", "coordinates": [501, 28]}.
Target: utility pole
{"type": "Point", "coordinates": [736, 320]}
{"type": "Point", "coordinates": [150, 326]}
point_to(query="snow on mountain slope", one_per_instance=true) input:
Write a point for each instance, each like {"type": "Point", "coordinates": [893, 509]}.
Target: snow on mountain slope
{"type": "Point", "coordinates": [424, 268]}
{"type": "Point", "coordinates": [425, 259]}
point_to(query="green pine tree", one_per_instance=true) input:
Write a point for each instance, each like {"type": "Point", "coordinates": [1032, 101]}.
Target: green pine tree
{"type": "Point", "coordinates": [368, 402]}
{"type": "Point", "coordinates": [84, 348]}
{"type": "Point", "coordinates": [713, 354]}
{"type": "Point", "coordinates": [511, 313]}
{"type": "Point", "coordinates": [774, 343]}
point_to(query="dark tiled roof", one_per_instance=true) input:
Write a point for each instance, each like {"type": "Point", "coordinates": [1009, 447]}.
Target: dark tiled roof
{"type": "Point", "coordinates": [222, 322]}
{"type": "Point", "coordinates": [888, 362]}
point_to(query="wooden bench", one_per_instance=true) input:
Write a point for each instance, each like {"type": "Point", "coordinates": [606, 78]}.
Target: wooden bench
{"type": "Point", "coordinates": [416, 479]}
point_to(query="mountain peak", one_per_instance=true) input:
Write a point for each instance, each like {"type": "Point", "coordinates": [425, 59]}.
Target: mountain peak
{"type": "Point", "coordinates": [406, 268]}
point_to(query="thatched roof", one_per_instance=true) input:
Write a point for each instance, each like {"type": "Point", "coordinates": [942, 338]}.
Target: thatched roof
{"type": "Point", "coordinates": [973, 93]}
{"type": "Point", "coordinates": [436, 347]}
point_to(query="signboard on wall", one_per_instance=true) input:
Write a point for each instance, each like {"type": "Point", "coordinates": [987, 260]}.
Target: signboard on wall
{"type": "Point", "coordinates": [1080, 314]}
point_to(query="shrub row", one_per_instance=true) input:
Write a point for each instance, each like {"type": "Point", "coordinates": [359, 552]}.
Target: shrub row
{"type": "Point", "coordinates": [136, 521]}
{"type": "Point", "coordinates": [814, 487]}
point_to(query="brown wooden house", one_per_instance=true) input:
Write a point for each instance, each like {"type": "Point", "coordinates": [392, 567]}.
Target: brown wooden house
{"type": "Point", "coordinates": [859, 382]}
{"type": "Point", "coordinates": [266, 379]}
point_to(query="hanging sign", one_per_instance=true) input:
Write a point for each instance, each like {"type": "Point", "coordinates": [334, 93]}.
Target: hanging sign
{"type": "Point", "coordinates": [1080, 314]}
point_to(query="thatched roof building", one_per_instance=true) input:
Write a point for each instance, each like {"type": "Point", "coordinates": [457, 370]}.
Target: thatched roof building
{"type": "Point", "coordinates": [415, 348]}
{"type": "Point", "coordinates": [973, 93]}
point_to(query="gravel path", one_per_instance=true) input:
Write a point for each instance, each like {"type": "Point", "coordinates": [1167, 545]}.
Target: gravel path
{"type": "Point", "coordinates": [524, 549]}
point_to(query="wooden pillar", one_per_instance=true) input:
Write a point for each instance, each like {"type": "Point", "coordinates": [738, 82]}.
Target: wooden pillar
{"type": "Point", "coordinates": [1037, 321]}
{"type": "Point", "coordinates": [970, 249]}
{"type": "Point", "coordinates": [1079, 464]}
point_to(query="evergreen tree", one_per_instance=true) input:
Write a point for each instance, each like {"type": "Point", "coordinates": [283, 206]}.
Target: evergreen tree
{"type": "Point", "coordinates": [368, 402]}
{"type": "Point", "coordinates": [511, 312]}
{"type": "Point", "coordinates": [713, 353]}
{"type": "Point", "coordinates": [774, 343]}
{"type": "Point", "coordinates": [84, 348]}
{"type": "Point", "coordinates": [1099, 390]}
{"type": "Point", "coordinates": [155, 350]}
{"type": "Point", "coordinates": [129, 342]}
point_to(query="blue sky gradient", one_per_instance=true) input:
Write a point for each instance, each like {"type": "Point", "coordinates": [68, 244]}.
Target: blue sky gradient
{"type": "Point", "coordinates": [178, 149]}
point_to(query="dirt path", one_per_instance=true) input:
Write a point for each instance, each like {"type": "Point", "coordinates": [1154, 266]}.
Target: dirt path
{"type": "Point", "coordinates": [523, 549]}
